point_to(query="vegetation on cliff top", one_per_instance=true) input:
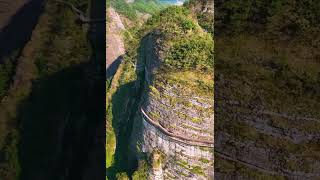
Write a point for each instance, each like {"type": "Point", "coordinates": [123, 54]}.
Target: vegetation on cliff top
{"type": "Point", "coordinates": [187, 56]}
{"type": "Point", "coordinates": [186, 45]}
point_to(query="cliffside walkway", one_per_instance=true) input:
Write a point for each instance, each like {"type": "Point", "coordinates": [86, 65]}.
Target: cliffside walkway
{"type": "Point", "coordinates": [210, 144]}
{"type": "Point", "coordinates": [178, 138]}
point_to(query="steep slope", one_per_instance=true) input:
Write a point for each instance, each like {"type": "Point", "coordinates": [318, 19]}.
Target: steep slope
{"type": "Point", "coordinates": [176, 111]}
{"type": "Point", "coordinates": [204, 12]}
{"type": "Point", "coordinates": [115, 46]}
{"type": "Point", "coordinates": [122, 95]}
{"type": "Point", "coordinates": [267, 91]}
{"type": "Point", "coordinates": [254, 129]}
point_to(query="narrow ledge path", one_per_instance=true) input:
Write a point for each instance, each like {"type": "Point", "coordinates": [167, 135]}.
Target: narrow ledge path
{"type": "Point", "coordinates": [177, 138]}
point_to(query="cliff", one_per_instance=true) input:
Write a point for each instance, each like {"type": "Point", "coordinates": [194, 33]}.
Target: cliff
{"type": "Point", "coordinates": [114, 43]}
{"type": "Point", "coordinates": [266, 127]}
{"type": "Point", "coordinates": [177, 102]}
{"type": "Point", "coordinates": [266, 92]}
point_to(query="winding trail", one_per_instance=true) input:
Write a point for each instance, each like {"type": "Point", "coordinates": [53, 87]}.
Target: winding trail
{"type": "Point", "coordinates": [115, 45]}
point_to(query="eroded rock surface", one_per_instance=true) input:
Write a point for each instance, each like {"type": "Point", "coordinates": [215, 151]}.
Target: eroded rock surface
{"type": "Point", "coordinates": [177, 122]}
{"type": "Point", "coordinates": [115, 45]}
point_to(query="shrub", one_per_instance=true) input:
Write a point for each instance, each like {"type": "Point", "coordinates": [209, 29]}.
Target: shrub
{"type": "Point", "coordinates": [142, 171]}
{"type": "Point", "coordinates": [122, 176]}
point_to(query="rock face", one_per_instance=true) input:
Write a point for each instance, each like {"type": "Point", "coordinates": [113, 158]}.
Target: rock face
{"type": "Point", "coordinates": [259, 140]}
{"type": "Point", "coordinates": [115, 45]}
{"type": "Point", "coordinates": [260, 134]}
{"type": "Point", "coordinates": [204, 6]}
{"type": "Point", "coordinates": [177, 122]}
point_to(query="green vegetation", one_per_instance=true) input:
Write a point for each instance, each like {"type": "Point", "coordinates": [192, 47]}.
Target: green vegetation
{"type": "Point", "coordinates": [273, 47]}
{"type": "Point", "coordinates": [191, 53]}
{"type": "Point", "coordinates": [6, 72]}
{"type": "Point", "coordinates": [206, 161]}
{"type": "Point", "coordinates": [287, 81]}
{"type": "Point", "coordinates": [51, 60]}
{"type": "Point", "coordinates": [193, 169]}
{"type": "Point", "coordinates": [147, 6]}
{"type": "Point", "coordinates": [9, 136]}
{"type": "Point", "coordinates": [178, 30]}
{"type": "Point", "coordinates": [121, 105]}
{"type": "Point", "coordinates": [123, 8]}
{"type": "Point", "coordinates": [142, 172]}
{"type": "Point", "coordinates": [129, 10]}
{"type": "Point", "coordinates": [197, 170]}
{"type": "Point", "coordinates": [205, 19]}
{"type": "Point", "coordinates": [187, 46]}
{"type": "Point", "coordinates": [280, 18]}
{"type": "Point", "coordinates": [122, 176]}
{"type": "Point", "coordinates": [157, 158]}
{"type": "Point", "coordinates": [183, 163]}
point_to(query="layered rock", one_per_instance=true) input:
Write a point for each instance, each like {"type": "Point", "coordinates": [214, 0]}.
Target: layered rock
{"type": "Point", "coordinates": [266, 128]}
{"type": "Point", "coordinates": [177, 120]}
{"type": "Point", "coordinates": [270, 144]}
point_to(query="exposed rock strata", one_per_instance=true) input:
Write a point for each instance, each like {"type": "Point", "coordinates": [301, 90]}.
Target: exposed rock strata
{"type": "Point", "coordinates": [271, 144]}
{"type": "Point", "coordinates": [177, 124]}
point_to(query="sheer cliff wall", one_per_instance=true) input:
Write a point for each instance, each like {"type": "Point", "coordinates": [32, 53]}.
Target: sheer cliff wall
{"type": "Point", "coordinates": [177, 133]}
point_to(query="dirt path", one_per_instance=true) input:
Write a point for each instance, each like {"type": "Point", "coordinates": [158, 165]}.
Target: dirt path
{"type": "Point", "coordinates": [115, 45]}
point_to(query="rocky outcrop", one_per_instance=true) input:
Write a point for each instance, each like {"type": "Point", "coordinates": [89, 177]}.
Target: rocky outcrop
{"type": "Point", "coordinates": [114, 43]}
{"type": "Point", "coordinates": [177, 121]}
{"type": "Point", "coordinates": [202, 6]}
{"type": "Point", "coordinates": [270, 143]}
